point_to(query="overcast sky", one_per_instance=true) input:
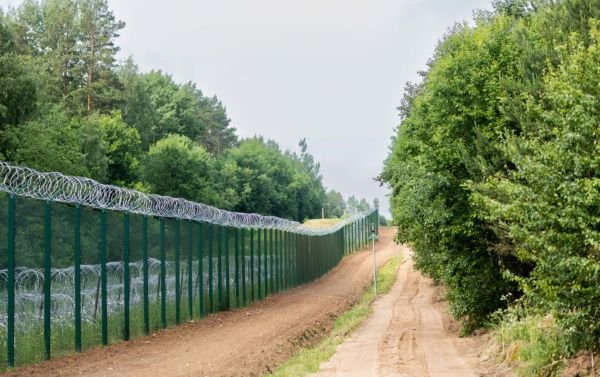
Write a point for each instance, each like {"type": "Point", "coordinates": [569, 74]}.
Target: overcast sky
{"type": "Point", "coordinates": [332, 71]}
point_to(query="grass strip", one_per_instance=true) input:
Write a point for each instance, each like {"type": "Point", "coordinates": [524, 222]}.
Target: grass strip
{"type": "Point", "coordinates": [308, 360]}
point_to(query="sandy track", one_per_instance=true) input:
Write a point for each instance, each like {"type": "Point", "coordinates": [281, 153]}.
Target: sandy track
{"type": "Point", "coordinates": [244, 342]}
{"type": "Point", "coordinates": [406, 336]}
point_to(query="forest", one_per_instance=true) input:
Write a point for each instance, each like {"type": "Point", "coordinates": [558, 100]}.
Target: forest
{"type": "Point", "coordinates": [494, 172]}
{"type": "Point", "coordinates": [68, 105]}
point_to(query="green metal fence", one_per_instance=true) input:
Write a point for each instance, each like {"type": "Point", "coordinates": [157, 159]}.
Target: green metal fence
{"type": "Point", "coordinates": [84, 264]}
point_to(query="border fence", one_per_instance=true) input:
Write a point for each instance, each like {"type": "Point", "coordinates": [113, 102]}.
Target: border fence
{"type": "Point", "coordinates": [85, 264]}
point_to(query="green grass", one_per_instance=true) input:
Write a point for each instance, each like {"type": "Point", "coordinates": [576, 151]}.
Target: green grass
{"type": "Point", "coordinates": [308, 360]}
{"type": "Point", "coordinates": [531, 343]}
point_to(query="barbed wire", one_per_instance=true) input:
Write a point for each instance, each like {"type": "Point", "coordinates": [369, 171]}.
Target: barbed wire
{"type": "Point", "coordinates": [57, 187]}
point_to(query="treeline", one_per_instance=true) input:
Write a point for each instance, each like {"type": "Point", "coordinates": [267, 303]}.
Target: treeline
{"type": "Point", "coordinates": [67, 105]}
{"type": "Point", "coordinates": [494, 170]}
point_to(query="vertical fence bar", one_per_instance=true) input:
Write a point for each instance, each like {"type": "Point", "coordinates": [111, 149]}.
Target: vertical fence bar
{"type": "Point", "coordinates": [210, 268]}
{"type": "Point", "coordinates": [200, 270]}
{"type": "Point", "coordinates": [279, 248]}
{"type": "Point", "coordinates": [294, 240]}
{"type": "Point", "coordinates": [284, 274]}
{"type": "Point", "coordinates": [190, 280]}
{"type": "Point", "coordinates": [163, 273]}
{"type": "Point", "coordinates": [252, 282]}
{"type": "Point", "coordinates": [244, 293]}
{"type": "Point", "coordinates": [244, 278]}
{"type": "Point", "coordinates": [103, 278]}
{"type": "Point", "coordinates": [10, 282]}
{"type": "Point", "coordinates": [285, 254]}
{"type": "Point", "coordinates": [359, 233]}
{"type": "Point", "coordinates": [291, 258]}
{"type": "Point", "coordinates": [145, 274]}
{"type": "Point", "coordinates": [260, 296]}
{"type": "Point", "coordinates": [177, 271]}
{"type": "Point", "coordinates": [227, 265]}
{"type": "Point", "coordinates": [289, 255]}
{"type": "Point", "coordinates": [354, 243]}
{"type": "Point", "coordinates": [275, 260]}
{"type": "Point", "coordinates": [237, 268]}
{"type": "Point", "coordinates": [126, 280]}
{"type": "Point", "coordinates": [271, 257]}
{"type": "Point", "coordinates": [284, 237]}
{"type": "Point", "coordinates": [47, 275]}
{"type": "Point", "coordinates": [219, 270]}
{"type": "Point", "coordinates": [266, 254]}
{"type": "Point", "coordinates": [363, 222]}
{"type": "Point", "coordinates": [77, 265]}
{"type": "Point", "coordinates": [363, 233]}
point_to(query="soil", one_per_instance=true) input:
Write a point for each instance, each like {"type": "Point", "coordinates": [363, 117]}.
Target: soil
{"type": "Point", "coordinates": [244, 342]}
{"type": "Point", "coordinates": [581, 365]}
{"type": "Point", "coordinates": [410, 333]}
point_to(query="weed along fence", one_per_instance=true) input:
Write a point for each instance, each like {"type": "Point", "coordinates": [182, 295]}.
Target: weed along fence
{"type": "Point", "coordinates": [85, 264]}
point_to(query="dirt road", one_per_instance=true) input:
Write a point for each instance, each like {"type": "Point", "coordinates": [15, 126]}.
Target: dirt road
{"type": "Point", "coordinates": [244, 342]}
{"type": "Point", "coordinates": [407, 335]}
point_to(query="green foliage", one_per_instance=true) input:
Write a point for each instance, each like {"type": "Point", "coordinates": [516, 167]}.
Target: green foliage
{"type": "Point", "coordinates": [335, 206]}
{"type": "Point", "coordinates": [176, 167]}
{"type": "Point", "coordinates": [95, 149]}
{"type": "Point", "coordinates": [532, 342]}
{"type": "Point", "coordinates": [47, 144]}
{"type": "Point", "coordinates": [272, 182]}
{"type": "Point", "coordinates": [494, 168]}
{"type": "Point", "coordinates": [353, 205]}
{"type": "Point", "coordinates": [17, 86]}
{"type": "Point", "coordinates": [124, 148]}
{"type": "Point", "coordinates": [549, 204]}
{"type": "Point", "coordinates": [66, 105]}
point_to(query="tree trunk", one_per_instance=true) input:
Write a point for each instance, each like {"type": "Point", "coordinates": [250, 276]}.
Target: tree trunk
{"type": "Point", "coordinates": [91, 71]}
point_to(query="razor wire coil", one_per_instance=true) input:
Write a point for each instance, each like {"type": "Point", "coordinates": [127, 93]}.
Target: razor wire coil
{"type": "Point", "coordinates": [54, 186]}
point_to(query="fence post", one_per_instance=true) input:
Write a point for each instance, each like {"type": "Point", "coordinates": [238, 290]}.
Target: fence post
{"type": "Point", "coordinates": [237, 268]}
{"type": "Point", "coordinates": [219, 270]}
{"type": "Point", "coordinates": [103, 278]}
{"type": "Point", "coordinates": [201, 269]}
{"type": "Point", "coordinates": [288, 260]}
{"type": "Point", "coordinates": [227, 272]}
{"type": "Point", "coordinates": [210, 269]}
{"type": "Point", "coordinates": [10, 321]}
{"type": "Point", "coordinates": [272, 255]}
{"type": "Point", "coordinates": [276, 259]}
{"type": "Point", "coordinates": [252, 297]}
{"type": "Point", "coordinates": [244, 293]}
{"type": "Point", "coordinates": [258, 275]}
{"type": "Point", "coordinates": [280, 262]}
{"type": "Point", "coordinates": [190, 280]}
{"type": "Point", "coordinates": [163, 272]}
{"type": "Point", "coordinates": [47, 275]}
{"type": "Point", "coordinates": [145, 274]}
{"type": "Point", "coordinates": [126, 276]}
{"type": "Point", "coordinates": [177, 271]}
{"type": "Point", "coordinates": [77, 262]}
{"type": "Point", "coordinates": [266, 253]}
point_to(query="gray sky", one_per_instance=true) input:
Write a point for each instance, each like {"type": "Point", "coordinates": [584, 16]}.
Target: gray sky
{"type": "Point", "coordinates": [332, 71]}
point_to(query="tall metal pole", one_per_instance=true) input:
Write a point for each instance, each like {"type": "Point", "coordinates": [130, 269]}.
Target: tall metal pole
{"type": "Point", "coordinates": [374, 259]}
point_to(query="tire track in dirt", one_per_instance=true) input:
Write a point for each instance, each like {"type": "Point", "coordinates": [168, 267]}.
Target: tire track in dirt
{"type": "Point", "coordinates": [244, 342]}
{"type": "Point", "coordinates": [405, 336]}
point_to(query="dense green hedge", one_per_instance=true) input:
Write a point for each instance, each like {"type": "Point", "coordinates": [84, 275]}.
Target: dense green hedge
{"type": "Point", "coordinates": [495, 166]}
